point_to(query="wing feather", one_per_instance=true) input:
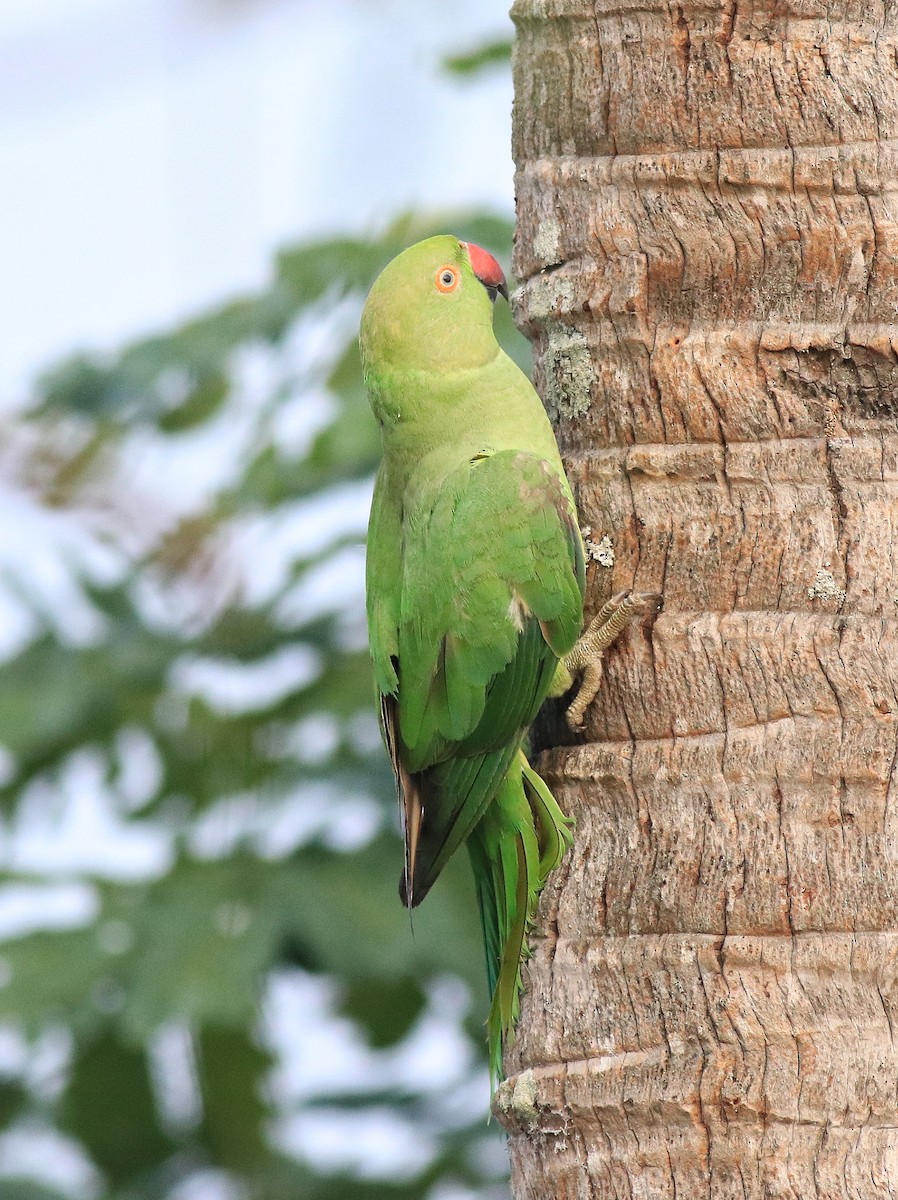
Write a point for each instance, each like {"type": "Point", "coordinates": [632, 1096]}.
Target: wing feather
{"type": "Point", "coordinates": [490, 594]}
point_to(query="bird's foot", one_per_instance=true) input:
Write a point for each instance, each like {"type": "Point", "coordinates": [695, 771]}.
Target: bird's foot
{"type": "Point", "coordinates": [586, 658]}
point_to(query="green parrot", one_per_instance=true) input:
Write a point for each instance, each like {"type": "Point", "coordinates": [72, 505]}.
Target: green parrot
{"type": "Point", "coordinates": [475, 584]}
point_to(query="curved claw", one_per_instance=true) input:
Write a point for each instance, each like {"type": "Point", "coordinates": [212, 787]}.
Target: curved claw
{"type": "Point", "coordinates": [588, 654]}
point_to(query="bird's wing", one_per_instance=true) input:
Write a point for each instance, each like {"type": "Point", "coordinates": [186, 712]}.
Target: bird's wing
{"type": "Point", "coordinates": [383, 584]}
{"type": "Point", "coordinates": [383, 578]}
{"type": "Point", "coordinates": [490, 596]}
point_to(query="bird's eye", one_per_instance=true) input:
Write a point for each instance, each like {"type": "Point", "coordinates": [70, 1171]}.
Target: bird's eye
{"type": "Point", "coordinates": [447, 279]}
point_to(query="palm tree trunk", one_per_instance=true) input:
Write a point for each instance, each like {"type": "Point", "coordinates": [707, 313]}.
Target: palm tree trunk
{"type": "Point", "coordinates": [708, 240]}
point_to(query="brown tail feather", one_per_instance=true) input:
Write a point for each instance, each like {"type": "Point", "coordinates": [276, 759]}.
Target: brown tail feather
{"type": "Point", "coordinates": [411, 809]}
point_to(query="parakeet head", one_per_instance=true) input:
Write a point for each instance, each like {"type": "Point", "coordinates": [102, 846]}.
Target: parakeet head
{"type": "Point", "coordinates": [431, 308]}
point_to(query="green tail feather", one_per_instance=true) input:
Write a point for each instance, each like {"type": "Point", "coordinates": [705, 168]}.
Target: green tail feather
{"type": "Point", "coordinates": [518, 841]}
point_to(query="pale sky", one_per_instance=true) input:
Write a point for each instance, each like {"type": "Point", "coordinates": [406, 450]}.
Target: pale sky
{"type": "Point", "coordinates": [153, 153]}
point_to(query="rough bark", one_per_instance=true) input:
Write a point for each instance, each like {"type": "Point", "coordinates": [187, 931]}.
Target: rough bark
{"type": "Point", "coordinates": [707, 240]}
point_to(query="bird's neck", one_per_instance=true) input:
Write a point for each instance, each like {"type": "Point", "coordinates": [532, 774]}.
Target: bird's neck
{"type": "Point", "coordinates": [465, 411]}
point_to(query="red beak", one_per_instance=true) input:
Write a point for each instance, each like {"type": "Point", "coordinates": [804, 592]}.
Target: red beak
{"type": "Point", "coordinates": [487, 270]}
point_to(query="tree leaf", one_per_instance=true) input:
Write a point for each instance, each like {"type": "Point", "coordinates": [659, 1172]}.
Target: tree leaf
{"type": "Point", "coordinates": [386, 1009]}
{"type": "Point", "coordinates": [482, 58]}
{"type": "Point", "coordinates": [232, 1069]}
{"type": "Point", "coordinates": [109, 1106]}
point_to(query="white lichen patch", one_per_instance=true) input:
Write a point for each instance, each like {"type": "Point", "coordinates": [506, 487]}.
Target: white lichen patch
{"type": "Point", "coordinates": [545, 244]}
{"type": "Point", "coordinates": [569, 371]}
{"type": "Point", "coordinates": [601, 552]}
{"type": "Point", "coordinates": [548, 296]}
{"type": "Point", "coordinates": [517, 1097]}
{"type": "Point", "coordinates": [825, 587]}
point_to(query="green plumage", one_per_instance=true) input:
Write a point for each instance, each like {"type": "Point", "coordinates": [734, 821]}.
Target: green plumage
{"type": "Point", "coordinates": [520, 838]}
{"type": "Point", "coordinates": [475, 591]}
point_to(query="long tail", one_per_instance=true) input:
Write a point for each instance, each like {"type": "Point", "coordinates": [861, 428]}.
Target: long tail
{"type": "Point", "coordinates": [521, 837]}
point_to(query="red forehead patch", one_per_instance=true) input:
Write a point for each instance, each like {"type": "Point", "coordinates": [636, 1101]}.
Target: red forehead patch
{"type": "Point", "coordinates": [485, 266]}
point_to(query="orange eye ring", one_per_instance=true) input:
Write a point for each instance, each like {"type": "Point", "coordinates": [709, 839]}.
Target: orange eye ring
{"type": "Point", "coordinates": [447, 278]}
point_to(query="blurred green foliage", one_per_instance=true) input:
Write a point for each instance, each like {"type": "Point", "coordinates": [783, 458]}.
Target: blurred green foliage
{"type": "Point", "coordinates": [481, 58]}
{"type": "Point", "coordinates": [276, 811]}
